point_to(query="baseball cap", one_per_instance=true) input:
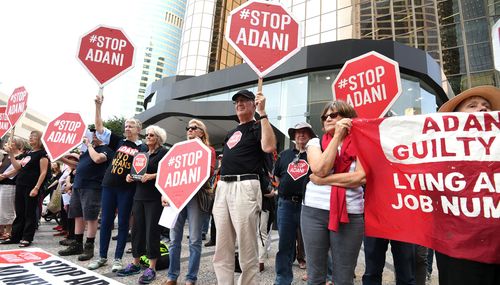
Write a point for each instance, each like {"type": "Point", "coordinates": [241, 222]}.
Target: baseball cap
{"type": "Point", "coordinates": [244, 93]}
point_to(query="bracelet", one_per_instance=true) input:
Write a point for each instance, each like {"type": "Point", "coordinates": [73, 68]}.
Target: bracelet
{"type": "Point", "coordinates": [263, 117]}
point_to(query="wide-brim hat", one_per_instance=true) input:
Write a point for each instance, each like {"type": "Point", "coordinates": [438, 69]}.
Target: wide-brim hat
{"type": "Point", "coordinates": [302, 125]}
{"type": "Point", "coordinates": [245, 93]}
{"type": "Point", "coordinates": [490, 93]}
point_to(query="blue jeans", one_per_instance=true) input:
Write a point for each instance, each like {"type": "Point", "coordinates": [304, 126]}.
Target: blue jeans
{"type": "Point", "coordinates": [115, 198]}
{"type": "Point", "coordinates": [193, 213]}
{"type": "Point", "coordinates": [206, 222]}
{"type": "Point", "coordinates": [288, 215]}
{"type": "Point", "coordinates": [404, 261]}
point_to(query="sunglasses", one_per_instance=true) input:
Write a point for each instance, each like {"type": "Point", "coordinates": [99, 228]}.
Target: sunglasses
{"type": "Point", "coordinates": [192, 128]}
{"type": "Point", "coordinates": [150, 135]}
{"type": "Point", "coordinates": [332, 115]}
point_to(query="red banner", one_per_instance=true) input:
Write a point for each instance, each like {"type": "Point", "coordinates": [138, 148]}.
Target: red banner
{"type": "Point", "coordinates": [434, 180]}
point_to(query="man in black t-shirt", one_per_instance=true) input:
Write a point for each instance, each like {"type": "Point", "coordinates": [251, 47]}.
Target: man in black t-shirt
{"type": "Point", "coordinates": [86, 197]}
{"type": "Point", "coordinates": [238, 198]}
{"type": "Point", "coordinates": [292, 171]}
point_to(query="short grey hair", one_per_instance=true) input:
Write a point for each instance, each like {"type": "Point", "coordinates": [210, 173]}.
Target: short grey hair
{"type": "Point", "coordinates": [135, 122]}
{"type": "Point", "coordinates": [160, 133]}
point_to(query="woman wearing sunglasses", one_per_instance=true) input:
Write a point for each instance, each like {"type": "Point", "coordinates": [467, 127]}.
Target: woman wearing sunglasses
{"type": "Point", "coordinates": [195, 129]}
{"type": "Point", "coordinates": [332, 213]}
{"type": "Point", "coordinates": [147, 210]}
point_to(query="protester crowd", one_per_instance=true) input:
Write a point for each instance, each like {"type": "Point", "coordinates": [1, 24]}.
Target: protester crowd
{"type": "Point", "coordinates": [313, 191]}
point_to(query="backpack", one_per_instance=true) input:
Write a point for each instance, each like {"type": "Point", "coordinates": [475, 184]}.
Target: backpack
{"type": "Point", "coordinates": [163, 262]}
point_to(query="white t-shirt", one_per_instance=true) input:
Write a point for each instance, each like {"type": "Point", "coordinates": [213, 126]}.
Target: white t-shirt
{"type": "Point", "coordinates": [318, 196]}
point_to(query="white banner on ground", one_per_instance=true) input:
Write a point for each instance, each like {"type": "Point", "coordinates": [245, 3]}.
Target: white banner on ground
{"type": "Point", "coordinates": [36, 266]}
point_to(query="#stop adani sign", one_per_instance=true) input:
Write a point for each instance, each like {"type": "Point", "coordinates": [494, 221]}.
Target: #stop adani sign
{"type": "Point", "coordinates": [182, 171]}
{"type": "Point", "coordinates": [370, 83]}
{"type": "Point", "coordinates": [4, 122]}
{"type": "Point", "coordinates": [63, 134]}
{"type": "Point", "coordinates": [264, 33]}
{"type": "Point", "coordinates": [17, 105]}
{"type": "Point", "coordinates": [106, 53]}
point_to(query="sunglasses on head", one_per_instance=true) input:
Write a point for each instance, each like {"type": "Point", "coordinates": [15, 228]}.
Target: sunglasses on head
{"type": "Point", "coordinates": [192, 128]}
{"type": "Point", "coordinates": [332, 115]}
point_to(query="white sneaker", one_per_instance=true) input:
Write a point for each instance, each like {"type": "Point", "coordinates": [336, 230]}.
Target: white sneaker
{"type": "Point", "coordinates": [117, 265]}
{"type": "Point", "coordinates": [96, 263]}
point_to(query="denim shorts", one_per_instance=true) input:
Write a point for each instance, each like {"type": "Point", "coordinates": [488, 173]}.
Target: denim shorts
{"type": "Point", "coordinates": [85, 203]}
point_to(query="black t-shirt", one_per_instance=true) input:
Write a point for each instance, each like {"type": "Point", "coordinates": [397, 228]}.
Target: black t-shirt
{"type": "Point", "coordinates": [288, 186]}
{"type": "Point", "coordinates": [242, 153]}
{"type": "Point", "coordinates": [30, 167]}
{"type": "Point", "coordinates": [88, 173]}
{"type": "Point", "coordinates": [121, 164]}
{"type": "Point", "coordinates": [147, 191]}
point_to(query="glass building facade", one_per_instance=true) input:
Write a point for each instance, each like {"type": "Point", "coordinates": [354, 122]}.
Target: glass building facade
{"type": "Point", "coordinates": [196, 37]}
{"type": "Point", "coordinates": [164, 20]}
{"type": "Point", "coordinates": [302, 98]}
{"type": "Point", "coordinates": [456, 33]}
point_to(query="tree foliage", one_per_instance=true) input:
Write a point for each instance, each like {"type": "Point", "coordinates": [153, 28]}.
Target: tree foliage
{"type": "Point", "coordinates": [115, 125]}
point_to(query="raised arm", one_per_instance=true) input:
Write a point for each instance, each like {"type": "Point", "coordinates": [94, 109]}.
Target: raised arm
{"type": "Point", "coordinates": [99, 126]}
{"type": "Point", "coordinates": [268, 139]}
{"type": "Point", "coordinates": [94, 155]}
{"type": "Point", "coordinates": [322, 161]}
{"type": "Point", "coordinates": [12, 157]}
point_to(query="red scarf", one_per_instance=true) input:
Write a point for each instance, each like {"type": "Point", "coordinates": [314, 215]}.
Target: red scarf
{"type": "Point", "coordinates": [342, 164]}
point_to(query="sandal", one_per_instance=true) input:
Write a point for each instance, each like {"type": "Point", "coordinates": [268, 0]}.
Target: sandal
{"type": "Point", "coordinates": [5, 236]}
{"type": "Point", "coordinates": [24, 243]}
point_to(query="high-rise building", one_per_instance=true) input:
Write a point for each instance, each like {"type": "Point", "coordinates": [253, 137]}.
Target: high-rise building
{"type": "Point", "coordinates": [456, 33]}
{"type": "Point", "coordinates": [164, 21]}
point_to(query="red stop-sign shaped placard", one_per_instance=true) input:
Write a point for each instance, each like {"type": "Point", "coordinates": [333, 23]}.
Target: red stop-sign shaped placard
{"type": "Point", "coordinates": [4, 122]}
{"type": "Point", "coordinates": [298, 169]}
{"type": "Point", "coordinates": [370, 83]}
{"type": "Point", "coordinates": [22, 256]}
{"type": "Point", "coordinates": [140, 162]}
{"type": "Point", "coordinates": [264, 33]}
{"type": "Point", "coordinates": [106, 53]}
{"type": "Point", "coordinates": [182, 172]}
{"type": "Point", "coordinates": [63, 134]}
{"type": "Point", "coordinates": [17, 105]}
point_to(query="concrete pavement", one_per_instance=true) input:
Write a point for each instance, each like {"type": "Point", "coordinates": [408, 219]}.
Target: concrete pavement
{"type": "Point", "coordinates": [44, 239]}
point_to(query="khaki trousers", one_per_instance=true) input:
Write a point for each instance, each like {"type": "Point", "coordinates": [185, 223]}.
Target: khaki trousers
{"type": "Point", "coordinates": [236, 209]}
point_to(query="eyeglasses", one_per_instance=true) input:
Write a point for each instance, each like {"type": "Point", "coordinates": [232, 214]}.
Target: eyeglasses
{"type": "Point", "coordinates": [150, 135]}
{"type": "Point", "coordinates": [332, 115]}
{"type": "Point", "coordinates": [192, 128]}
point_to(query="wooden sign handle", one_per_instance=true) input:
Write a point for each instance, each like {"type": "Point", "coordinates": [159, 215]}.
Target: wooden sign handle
{"type": "Point", "coordinates": [259, 85]}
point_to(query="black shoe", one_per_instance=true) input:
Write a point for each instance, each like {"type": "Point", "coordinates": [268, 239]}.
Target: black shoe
{"type": "Point", "coordinates": [210, 243]}
{"type": "Point", "coordinates": [9, 241]}
{"type": "Point", "coordinates": [115, 237]}
{"type": "Point", "coordinates": [88, 252]}
{"type": "Point", "coordinates": [67, 242]}
{"type": "Point", "coordinates": [76, 248]}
